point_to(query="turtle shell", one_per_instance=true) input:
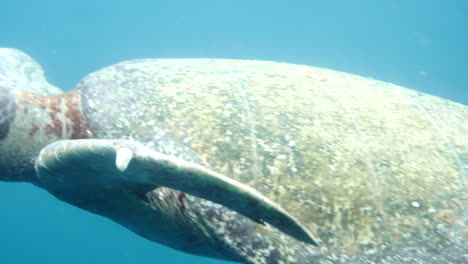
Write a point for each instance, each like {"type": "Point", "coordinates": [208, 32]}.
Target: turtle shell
{"type": "Point", "coordinates": [365, 165]}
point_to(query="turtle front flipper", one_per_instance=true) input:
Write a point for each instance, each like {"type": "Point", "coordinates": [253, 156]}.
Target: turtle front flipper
{"type": "Point", "coordinates": [79, 169]}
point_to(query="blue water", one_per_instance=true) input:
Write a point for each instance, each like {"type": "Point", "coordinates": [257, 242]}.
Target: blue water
{"type": "Point", "coordinates": [419, 44]}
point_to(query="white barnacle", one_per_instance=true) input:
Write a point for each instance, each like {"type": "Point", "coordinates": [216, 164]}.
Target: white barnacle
{"type": "Point", "coordinates": [123, 158]}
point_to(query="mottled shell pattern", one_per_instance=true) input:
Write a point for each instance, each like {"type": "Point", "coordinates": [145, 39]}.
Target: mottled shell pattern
{"type": "Point", "coordinates": [366, 166]}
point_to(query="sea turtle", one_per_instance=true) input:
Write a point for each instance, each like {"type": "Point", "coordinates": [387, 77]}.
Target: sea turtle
{"type": "Point", "coordinates": [245, 160]}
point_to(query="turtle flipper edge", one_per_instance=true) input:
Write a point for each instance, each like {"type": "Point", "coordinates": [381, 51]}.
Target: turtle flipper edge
{"type": "Point", "coordinates": [92, 164]}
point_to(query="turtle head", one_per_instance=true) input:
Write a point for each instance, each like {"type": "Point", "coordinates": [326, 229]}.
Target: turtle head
{"type": "Point", "coordinates": [33, 114]}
